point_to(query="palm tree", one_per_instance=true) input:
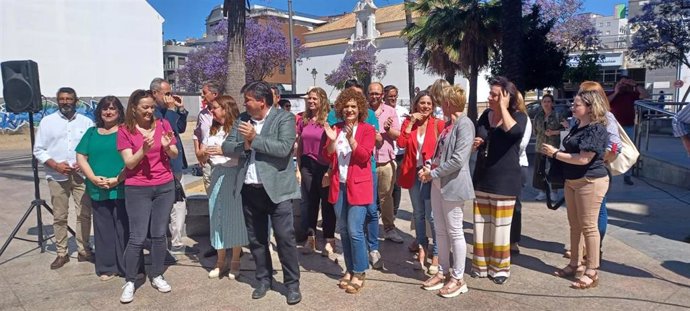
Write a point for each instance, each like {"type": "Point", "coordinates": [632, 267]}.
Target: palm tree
{"type": "Point", "coordinates": [455, 36]}
{"type": "Point", "coordinates": [236, 12]}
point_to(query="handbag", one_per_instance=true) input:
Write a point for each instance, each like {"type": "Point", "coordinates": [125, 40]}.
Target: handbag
{"type": "Point", "coordinates": [180, 196]}
{"type": "Point", "coordinates": [628, 156]}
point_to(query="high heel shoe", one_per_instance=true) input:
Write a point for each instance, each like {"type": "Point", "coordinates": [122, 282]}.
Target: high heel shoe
{"type": "Point", "coordinates": [234, 269]}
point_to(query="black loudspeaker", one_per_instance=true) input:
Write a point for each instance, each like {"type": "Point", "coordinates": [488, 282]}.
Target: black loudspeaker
{"type": "Point", "coordinates": [21, 89]}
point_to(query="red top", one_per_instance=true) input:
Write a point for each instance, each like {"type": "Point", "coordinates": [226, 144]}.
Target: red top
{"type": "Point", "coordinates": [408, 168]}
{"type": "Point", "coordinates": [623, 107]}
{"type": "Point", "coordinates": [154, 168]}
{"type": "Point", "coordinates": [360, 184]}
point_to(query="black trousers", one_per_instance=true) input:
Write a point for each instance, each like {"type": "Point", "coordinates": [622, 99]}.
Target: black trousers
{"type": "Point", "coordinates": [316, 196]}
{"type": "Point", "coordinates": [516, 224]}
{"type": "Point", "coordinates": [111, 232]}
{"type": "Point", "coordinates": [396, 187]}
{"type": "Point", "coordinates": [258, 208]}
{"type": "Point", "coordinates": [148, 211]}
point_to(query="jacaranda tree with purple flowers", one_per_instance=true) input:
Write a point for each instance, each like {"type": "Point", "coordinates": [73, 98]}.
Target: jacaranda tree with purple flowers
{"type": "Point", "coordinates": [266, 49]}
{"type": "Point", "coordinates": [571, 30]}
{"type": "Point", "coordinates": [361, 63]}
{"type": "Point", "coordinates": [662, 35]}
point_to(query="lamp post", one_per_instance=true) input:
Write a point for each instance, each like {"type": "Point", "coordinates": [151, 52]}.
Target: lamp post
{"type": "Point", "coordinates": [293, 63]}
{"type": "Point", "coordinates": [313, 75]}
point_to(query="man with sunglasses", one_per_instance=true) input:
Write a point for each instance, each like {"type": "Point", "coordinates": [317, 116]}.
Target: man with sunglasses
{"type": "Point", "coordinates": [171, 108]}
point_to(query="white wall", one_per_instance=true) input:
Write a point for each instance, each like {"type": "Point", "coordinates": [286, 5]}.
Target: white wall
{"type": "Point", "coordinates": [98, 47]}
{"type": "Point", "coordinates": [326, 59]}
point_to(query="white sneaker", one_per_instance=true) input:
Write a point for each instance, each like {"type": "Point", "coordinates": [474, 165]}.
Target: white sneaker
{"type": "Point", "coordinates": [127, 293]}
{"type": "Point", "coordinates": [393, 236]}
{"type": "Point", "coordinates": [375, 259]}
{"type": "Point", "coordinates": [540, 196]}
{"type": "Point", "coordinates": [160, 284]}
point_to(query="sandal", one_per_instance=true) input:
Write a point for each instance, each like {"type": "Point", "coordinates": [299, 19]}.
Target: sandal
{"type": "Point", "coordinates": [344, 281]}
{"type": "Point", "coordinates": [353, 288]}
{"type": "Point", "coordinates": [581, 283]}
{"type": "Point", "coordinates": [435, 282]}
{"type": "Point", "coordinates": [569, 271]}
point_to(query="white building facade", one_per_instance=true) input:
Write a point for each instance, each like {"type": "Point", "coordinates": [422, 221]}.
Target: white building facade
{"type": "Point", "coordinates": [98, 47]}
{"type": "Point", "coordinates": [327, 45]}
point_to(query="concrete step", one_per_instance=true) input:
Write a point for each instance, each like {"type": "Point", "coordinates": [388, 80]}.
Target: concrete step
{"type": "Point", "coordinates": [659, 168]}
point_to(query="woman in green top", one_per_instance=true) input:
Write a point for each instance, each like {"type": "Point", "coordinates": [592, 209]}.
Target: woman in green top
{"type": "Point", "coordinates": [102, 165]}
{"type": "Point", "coordinates": [547, 129]}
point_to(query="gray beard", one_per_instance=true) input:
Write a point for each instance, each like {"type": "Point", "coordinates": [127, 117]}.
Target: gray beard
{"type": "Point", "coordinates": [68, 111]}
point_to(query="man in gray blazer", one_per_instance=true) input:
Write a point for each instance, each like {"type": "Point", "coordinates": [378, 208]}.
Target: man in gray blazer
{"type": "Point", "coordinates": [265, 136]}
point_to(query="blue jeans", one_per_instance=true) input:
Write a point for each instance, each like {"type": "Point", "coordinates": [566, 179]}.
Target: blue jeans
{"type": "Point", "coordinates": [372, 220]}
{"type": "Point", "coordinates": [603, 219]}
{"type": "Point", "coordinates": [420, 196]}
{"type": "Point", "coordinates": [350, 221]}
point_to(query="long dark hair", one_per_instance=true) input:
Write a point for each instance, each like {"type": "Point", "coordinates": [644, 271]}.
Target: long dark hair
{"type": "Point", "coordinates": [106, 102]}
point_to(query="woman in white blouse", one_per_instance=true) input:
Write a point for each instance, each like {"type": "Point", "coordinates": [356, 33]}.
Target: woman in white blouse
{"type": "Point", "coordinates": [225, 202]}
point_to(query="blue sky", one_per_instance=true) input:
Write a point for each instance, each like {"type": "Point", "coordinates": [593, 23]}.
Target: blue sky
{"type": "Point", "coordinates": [185, 18]}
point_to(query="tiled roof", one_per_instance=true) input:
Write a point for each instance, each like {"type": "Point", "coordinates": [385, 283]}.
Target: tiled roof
{"type": "Point", "coordinates": [383, 15]}
{"type": "Point", "coordinates": [326, 42]}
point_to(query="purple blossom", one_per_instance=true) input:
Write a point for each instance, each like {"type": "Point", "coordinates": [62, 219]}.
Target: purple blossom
{"type": "Point", "coordinates": [360, 62]}
{"type": "Point", "coordinates": [266, 50]}
{"type": "Point", "coordinates": [571, 30]}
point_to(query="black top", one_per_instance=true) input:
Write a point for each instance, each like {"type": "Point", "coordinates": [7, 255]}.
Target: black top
{"type": "Point", "coordinates": [591, 137]}
{"type": "Point", "coordinates": [497, 169]}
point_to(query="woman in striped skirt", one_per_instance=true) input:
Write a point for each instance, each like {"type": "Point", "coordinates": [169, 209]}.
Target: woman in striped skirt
{"type": "Point", "coordinates": [225, 202]}
{"type": "Point", "coordinates": [497, 181]}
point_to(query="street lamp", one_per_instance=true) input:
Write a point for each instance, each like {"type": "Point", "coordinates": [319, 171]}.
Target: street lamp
{"type": "Point", "coordinates": [313, 75]}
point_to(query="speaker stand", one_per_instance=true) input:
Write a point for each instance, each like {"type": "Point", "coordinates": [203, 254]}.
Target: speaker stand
{"type": "Point", "coordinates": [36, 204]}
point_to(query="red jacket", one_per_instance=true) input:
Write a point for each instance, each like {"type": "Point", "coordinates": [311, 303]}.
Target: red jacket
{"type": "Point", "coordinates": [360, 184]}
{"type": "Point", "coordinates": [408, 168]}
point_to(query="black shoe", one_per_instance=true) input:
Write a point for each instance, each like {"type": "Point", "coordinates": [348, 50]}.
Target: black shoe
{"type": "Point", "coordinates": [500, 279]}
{"type": "Point", "coordinates": [628, 180]}
{"type": "Point", "coordinates": [260, 291]}
{"type": "Point", "coordinates": [210, 253]}
{"type": "Point", "coordinates": [293, 296]}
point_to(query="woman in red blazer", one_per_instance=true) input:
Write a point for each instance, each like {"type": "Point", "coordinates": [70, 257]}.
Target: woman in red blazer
{"type": "Point", "coordinates": [349, 147]}
{"type": "Point", "coordinates": [418, 136]}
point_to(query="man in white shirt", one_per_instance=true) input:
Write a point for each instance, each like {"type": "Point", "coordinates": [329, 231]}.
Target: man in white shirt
{"type": "Point", "coordinates": [58, 135]}
{"type": "Point", "coordinates": [209, 92]}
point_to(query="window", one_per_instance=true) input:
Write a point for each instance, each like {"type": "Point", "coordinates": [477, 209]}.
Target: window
{"type": "Point", "coordinates": [281, 69]}
{"type": "Point", "coordinates": [608, 24]}
{"type": "Point", "coordinates": [181, 61]}
{"type": "Point", "coordinates": [601, 24]}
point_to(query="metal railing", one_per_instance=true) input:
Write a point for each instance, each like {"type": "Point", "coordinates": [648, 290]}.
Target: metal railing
{"type": "Point", "coordinates": [647, 111]}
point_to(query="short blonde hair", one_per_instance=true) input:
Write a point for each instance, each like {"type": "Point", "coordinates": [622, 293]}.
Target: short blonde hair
{"type": "Point", "coordinates": [436, 89]}
{"type": "Point", "coordinates": [455, 96]}
{"type": "Point", "coordinates": [597, 103]}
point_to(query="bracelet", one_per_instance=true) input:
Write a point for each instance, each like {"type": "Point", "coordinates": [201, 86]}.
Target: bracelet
{"type": "Point", "coordinates": [553, 156]}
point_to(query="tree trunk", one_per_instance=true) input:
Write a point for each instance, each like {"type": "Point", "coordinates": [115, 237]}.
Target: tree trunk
{"type": "Point", "coordinates": [236, 77]}
{"type": "Point", "coordinates": [472, 98]}
{"type": "Point", "coordinates": [410, 65]}
{"type": "Point", "coordinates": [235, 11]}
{"type": "Point", "coordinates": [511, 46]}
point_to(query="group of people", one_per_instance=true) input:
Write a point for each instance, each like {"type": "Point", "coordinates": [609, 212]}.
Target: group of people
{"type": "Point", "coordinates": [347, 161]}
{"type": "Point", "coordinates": [125, 169]}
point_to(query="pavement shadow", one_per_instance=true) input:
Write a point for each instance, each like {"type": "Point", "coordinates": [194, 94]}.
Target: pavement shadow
{"type": "Point", "coordinates": [678, 267]}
